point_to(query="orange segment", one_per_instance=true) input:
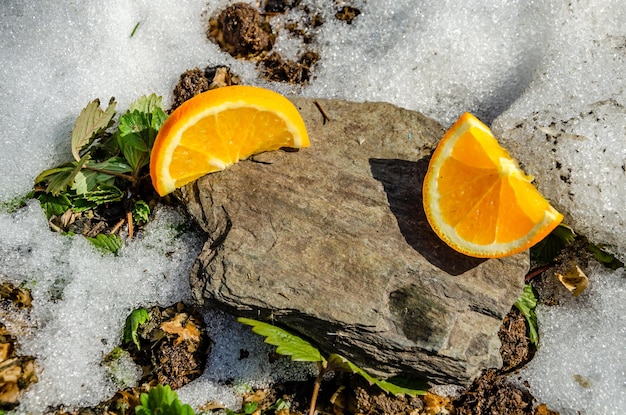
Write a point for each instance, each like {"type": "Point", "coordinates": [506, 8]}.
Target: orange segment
{"type": "Point", "coordinates": [478, 200]}
{"type": "Point", "coordinates": [219, 127]}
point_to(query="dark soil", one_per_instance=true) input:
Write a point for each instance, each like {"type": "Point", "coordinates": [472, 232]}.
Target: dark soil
{"type": "Point", "coordinates": [247, 33]}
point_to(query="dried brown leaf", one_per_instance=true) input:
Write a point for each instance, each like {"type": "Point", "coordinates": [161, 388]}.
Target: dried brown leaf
{"type": "Point", "coordinates": [182, 326]}
{"type": "Point", "coordinates": [574, 279]}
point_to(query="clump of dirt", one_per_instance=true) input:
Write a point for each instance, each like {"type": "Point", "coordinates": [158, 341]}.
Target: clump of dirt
{"type": "Point", "coordinates": [196, 81]}
{"type": "Point", "coordinates": [241, 31]}
{"type": "Point", "coordinates": [347, 14]}
{"type": "Point", "coordinates": [491, 393]}
{"type": "Point", "coordinates": [516, 349]}
{"type": "Point", "coordinates": [278, 69]}
{"type": "Point", "coordinates": [247, 33]}
{"type": "Point", "coordinates": [358, 397]}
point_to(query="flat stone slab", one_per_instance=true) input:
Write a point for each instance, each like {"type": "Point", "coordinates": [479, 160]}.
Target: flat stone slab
{"type": "Point", "coordinates": [332, 242]}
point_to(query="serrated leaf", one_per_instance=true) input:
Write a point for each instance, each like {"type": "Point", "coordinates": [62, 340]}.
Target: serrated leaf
{"type": "Point", "coordinates": [87, 181]}
{"type": "Point", "coordinates": [81, 205]}
{"type": "Point", "coordinates": [526, 304]}
{"type": "Point", "coordinates": [113, 164]}
{"type": "Point", "coordinates": [402, 387]}
{"type": "Point", "coordinates": [54, 205]}
{"type": "Point", "coordinates": [91, 122]}
{"type": "Point", "coordinates": [104, 194]}
{"type": "Point", "coordinates": [61, 181]}
{"type": "Point", "coordinates": [138, 129]}
{"type": "Point", "coordinates": [133, 321]}
{"type": "Point", "coordinates": [147, 104]}
{"type": "Point", "coordinates": [134, 149]}
{"type": "Point", "coordinates": [107, 243]}
{"type": "Point", "coordinates": [286, 343]}
{"type": "Point", "coordinates": [47, 174]}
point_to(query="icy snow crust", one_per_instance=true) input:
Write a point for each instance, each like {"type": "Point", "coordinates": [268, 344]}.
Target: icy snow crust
{"type": "Point", "coordinates": [548, 74]}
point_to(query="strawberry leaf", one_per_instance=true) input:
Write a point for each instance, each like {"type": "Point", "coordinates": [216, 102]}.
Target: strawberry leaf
{"type": "Point", "coordinates": [287, 344]}
{"type": "Point", "coordinates": [91, 122]}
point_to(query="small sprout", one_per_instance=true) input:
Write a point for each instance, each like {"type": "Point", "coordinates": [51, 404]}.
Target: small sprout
{"type": "Point", "coordinates": [141, 212]}
{"type": "Point", "coordinates": [161, 400]}
{"type": "Point", "coordinates": [526, 304]}
{"type": "Point", "coordinates": [133, 321]}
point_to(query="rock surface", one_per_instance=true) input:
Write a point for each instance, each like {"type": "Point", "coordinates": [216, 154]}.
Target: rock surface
{"type": "Point", "coordinates": [332, 242]}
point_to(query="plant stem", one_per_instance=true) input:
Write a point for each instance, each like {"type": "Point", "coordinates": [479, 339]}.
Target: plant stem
{"type": "Point", "coordinates": [537, 271]}
{"type": "Point", "coordinates": [316, 387]}
{"type": "Point", "coordinates": [112, 173]}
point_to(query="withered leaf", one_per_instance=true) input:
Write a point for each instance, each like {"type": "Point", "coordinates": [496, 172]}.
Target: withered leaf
{"type": "Point", "coordinates": [182, 326]}
{"type": "Point", "coordinates": [574, 279]}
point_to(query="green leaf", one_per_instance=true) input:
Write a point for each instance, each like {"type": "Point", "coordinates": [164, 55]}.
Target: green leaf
{"type": "Point", "coordinates": [91, 122]}
{"type": "Point", "coordinates": [549, 247]}
{"type": "Point", "coordinates": [526, 304]}
{"type": "Point", "coordinates": [134, 149]}
{"type": "Point", "coordinates": [287, 344]}
{"type": "Point", "coordinates": [604, 257]}
{"type": "Point", "coordinates": [141, 212]}
{"type": "Point", "coordinates": [60, 181]}
{"type": "Point", "coordinates": [133, 321]}
{"type": "Point", "coordinates": [113, 164]}
{"type": "Point", "coordinates": [54, 205]}
{"type": "Point", "coordinates": [81, 205]}
{"type": "Point", "coordinates": [162, 400]}
{"type": "Point", "coordinates": [250, 407]}
{"type": "Point", "coordinates": [107, 243]}
{"type": "Point", "coordinates": [398, 388]}
{"type": "Point", "coordinates": [46, 175]}
{"type": "Point", "coordinates": [87, 181]}
{"type": "Point", "coordinates": [104, 194]}
{"type": "Point", "coordinates": [138, 129]}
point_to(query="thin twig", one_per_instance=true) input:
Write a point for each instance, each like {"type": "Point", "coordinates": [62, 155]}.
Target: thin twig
{"type": "Point", "coordinates": [325, 116]}
{"type": "Point", "coordinates": [129, 218]}
{"type": "Point", "coordinates": [316, 387]}
{"type": "Point", "coordinates": [537, 271]}
{"type": "Point", "coordinates": [117, 226]}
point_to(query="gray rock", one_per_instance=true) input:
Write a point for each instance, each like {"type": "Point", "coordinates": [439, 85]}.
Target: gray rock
{"type": "Point", "coordinates": [333, 243]}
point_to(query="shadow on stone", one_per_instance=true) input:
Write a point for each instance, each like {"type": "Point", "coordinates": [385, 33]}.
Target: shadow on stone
{"type": "Point", "coordinates": [402, 181]}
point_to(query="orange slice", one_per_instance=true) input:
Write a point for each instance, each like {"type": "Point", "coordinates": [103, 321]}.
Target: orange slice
{"type": "Point", "coordinates": [478, 200]}
{"type": "Point", "coordinates": [219, 127]}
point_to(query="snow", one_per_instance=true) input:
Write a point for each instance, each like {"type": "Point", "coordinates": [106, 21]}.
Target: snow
{"type": "Point", "coordinates": [549, 75]}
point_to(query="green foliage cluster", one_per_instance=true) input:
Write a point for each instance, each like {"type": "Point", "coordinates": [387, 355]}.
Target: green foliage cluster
{"type": "Point", "coordinates": [161, 400]}
{"type": "Point", "coordinates": [109, 162]}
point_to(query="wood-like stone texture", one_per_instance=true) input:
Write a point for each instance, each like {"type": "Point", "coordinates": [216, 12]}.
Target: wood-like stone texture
{"type": "Point", "coordinates": [332, 242]}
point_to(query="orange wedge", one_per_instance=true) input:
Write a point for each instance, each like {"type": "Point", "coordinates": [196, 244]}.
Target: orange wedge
{"type": "Point", "coordinates": [478, 200]}
{"type": "Point", "coordinates": [219, 127]}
